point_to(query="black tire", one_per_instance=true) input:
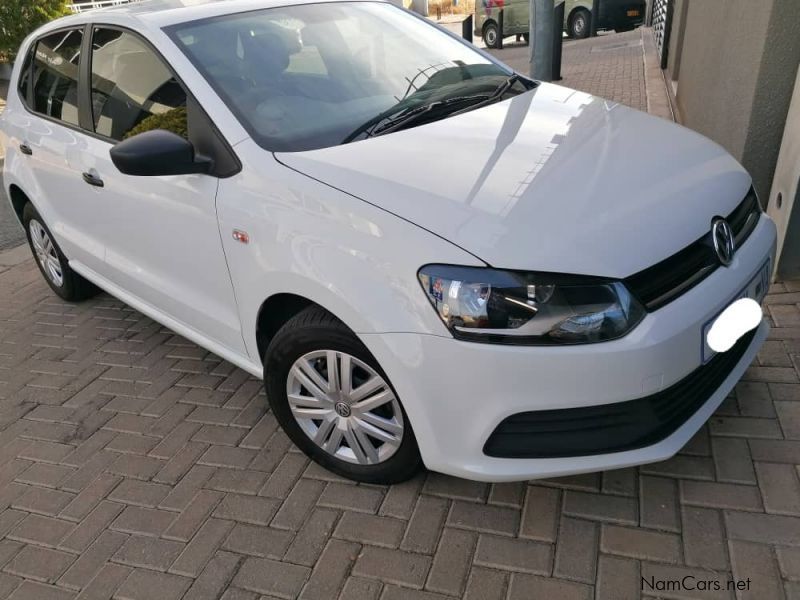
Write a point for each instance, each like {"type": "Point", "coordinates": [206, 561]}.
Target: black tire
{"type": "Point", "coordinates": [580, 24]}
{"type": "Point", "coordinates": [72, 287]}
{"type": "Point", "coordinates": [527, 38]}
{"type": "Point", "coordinates": [491, 35]}
{"type": "Point", "coordinates": [316, 329]}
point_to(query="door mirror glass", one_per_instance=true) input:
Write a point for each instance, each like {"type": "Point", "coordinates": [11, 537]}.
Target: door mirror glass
{"type": "Point", "coordinates": [158, 152]}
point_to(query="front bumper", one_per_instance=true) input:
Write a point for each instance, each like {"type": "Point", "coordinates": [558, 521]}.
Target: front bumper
{"type": "Point", "coordinates": [457, 393]}
{"type": "Point", "coordinates": [616, 427]}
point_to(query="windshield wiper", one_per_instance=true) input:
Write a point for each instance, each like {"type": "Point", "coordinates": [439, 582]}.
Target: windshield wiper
{"type": "Point", "coordinates": [421, 112]}
{"type": "Point", "coordinates": [501, 89]}
{"type": "Point", "coordinates": [417, 114]}
{"type": "Point", "coordinates": [386, 123]}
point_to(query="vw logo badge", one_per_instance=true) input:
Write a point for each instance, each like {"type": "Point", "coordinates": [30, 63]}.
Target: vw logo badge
{"type": "Point", "coordinates": [722, 236]}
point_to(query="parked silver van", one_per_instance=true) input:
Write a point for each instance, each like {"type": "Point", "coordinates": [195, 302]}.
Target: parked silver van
{"type": "Point", "coordinates": [619, 15]}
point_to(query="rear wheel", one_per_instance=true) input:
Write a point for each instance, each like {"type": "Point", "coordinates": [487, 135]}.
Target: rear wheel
{"type": "Point", "coordinates": [580, 24]}
{"type": "Point", "coordinates": [491, 35]}
{"type": "Point", "coordinates": [52, 263]}
{"type": "Point", "coordinates": [335, 402]}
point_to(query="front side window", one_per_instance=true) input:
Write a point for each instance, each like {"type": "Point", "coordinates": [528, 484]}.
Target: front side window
{"type": "Point", "coordinates": [132, 89]}
{"type": "Point", "coordinates": [55, 75]}
{"type": "Point", "coordinates": [316, 75]}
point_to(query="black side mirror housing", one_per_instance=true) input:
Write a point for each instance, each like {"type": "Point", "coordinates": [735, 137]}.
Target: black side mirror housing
{"type": "Point", "coordinates": [158, 152]}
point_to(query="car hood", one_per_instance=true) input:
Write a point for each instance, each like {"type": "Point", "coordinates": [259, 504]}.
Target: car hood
{"type": "Point", "coordinates": [550, 180]}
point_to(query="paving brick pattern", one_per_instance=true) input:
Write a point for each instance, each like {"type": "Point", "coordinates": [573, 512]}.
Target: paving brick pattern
{"type": "Point", "coordinates": [135, 465]}
{"type": "Point", "coordinates": [610, 66]}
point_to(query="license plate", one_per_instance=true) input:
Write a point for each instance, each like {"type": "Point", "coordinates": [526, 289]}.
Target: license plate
{"type": "Point", "coordinates": [633, 13]}
{"type": "Point", "coordinates": [756, 289]}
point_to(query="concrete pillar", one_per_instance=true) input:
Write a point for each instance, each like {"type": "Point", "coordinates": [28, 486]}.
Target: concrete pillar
{"type": "Point", "coordinates": [420, 6]}
{"type": "Point", "coordinates": [738, 65]}
{"type": "Point", "coordinates": [677, 29]}
{"type": "Point", "coordinates": [784, 199]}
{"type": "Point", "coordinates": [648, 14]}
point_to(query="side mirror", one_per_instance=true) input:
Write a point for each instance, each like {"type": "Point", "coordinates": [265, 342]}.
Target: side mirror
{"type": "Point", "coordinates": [158, 152]}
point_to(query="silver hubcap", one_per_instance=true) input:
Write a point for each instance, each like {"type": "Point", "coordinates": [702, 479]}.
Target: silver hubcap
{"type": "Point", "coordinates": [580, 24]}
{"type": "Point", "coordinates": [345, 407]}
{"type": "Point", "coordinates": [46, 253]}
{"type": "Point", "coordinates": [491, 36]}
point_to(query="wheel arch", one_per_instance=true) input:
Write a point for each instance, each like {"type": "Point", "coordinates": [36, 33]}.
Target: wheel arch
{"type": "Point", "coordinates": [277, 310]}
{"type": "Point", "coordinates": [267, 302]}
{"type": "Point", "coordinates": [18, 200]}
{"type": "Point", "coordinates": [486, 24]}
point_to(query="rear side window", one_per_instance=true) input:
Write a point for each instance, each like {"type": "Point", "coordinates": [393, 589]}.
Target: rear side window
{"type": "Point", "coordinates": [132, 89]}
{"type": "Point", "coordinates": [25, 77]}
{"type": "Point", "coordinates": [55, 75]}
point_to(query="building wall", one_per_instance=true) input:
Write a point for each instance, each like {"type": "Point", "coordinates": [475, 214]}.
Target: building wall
{"type": "Point", "coordinates": [722, 47]}
{"type": "Point", "coordinates": [736, 72]}
{"type": "Point", "coordinates": [784, 201]}
{"type": "Point", "coordinates": [679, 11]}
{"type": "Point", "coordinates": [773, 94]}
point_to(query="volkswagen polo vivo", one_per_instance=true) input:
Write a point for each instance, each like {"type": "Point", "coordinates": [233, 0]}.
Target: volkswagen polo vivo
{"type": "Point", "coordinates": [429, 258]}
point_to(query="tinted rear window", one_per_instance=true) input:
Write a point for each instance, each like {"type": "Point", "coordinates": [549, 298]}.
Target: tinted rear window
{"type": "Point", "coordinates": [55, 75]}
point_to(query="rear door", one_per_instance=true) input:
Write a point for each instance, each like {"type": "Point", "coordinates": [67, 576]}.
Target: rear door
{"type": "Point", "coordinates": [54, 145]}
{"type": "Point", "coordinates": [161, 234]}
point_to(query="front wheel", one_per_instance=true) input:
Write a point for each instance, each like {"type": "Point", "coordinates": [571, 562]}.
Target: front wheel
{"type": "Point", "coordinates": [491, 35]}
{"type": "Point", "coordinates": [580, 24]}
{"type": "Point", "coordinates": [335, 402]}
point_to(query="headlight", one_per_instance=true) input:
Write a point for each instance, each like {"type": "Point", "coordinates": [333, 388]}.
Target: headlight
{"type": "Point", "coordinates": [512, 307]}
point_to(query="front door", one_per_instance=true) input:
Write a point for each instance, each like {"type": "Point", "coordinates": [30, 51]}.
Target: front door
{"type": "Point", "coordinates": [162, 239]}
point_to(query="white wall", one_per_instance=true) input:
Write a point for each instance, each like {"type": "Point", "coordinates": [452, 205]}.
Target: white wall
{"type": "Point", "coordinates": [785, 185]}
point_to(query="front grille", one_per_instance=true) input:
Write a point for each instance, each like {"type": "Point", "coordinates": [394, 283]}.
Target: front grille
{"type": "Point", "coordinates": [614, 427]}
{"type": "Point", "coordinates": [673, 276]}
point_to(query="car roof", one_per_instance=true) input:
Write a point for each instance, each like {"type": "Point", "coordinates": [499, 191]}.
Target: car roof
{"type": "Point", "coordinates": [162, 13]}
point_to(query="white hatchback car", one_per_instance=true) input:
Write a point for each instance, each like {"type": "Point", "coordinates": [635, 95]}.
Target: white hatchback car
{"type": "Point", "coordinates": [431, 259]}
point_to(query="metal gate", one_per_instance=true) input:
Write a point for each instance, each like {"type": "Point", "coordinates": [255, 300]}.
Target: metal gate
{"type": "Point", "coordinates": [662, 23]}
{"type": "Point", "coordinates": [79, 6]}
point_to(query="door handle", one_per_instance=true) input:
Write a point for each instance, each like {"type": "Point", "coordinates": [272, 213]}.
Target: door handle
{"type": "Point", "coordinates": [25, 149]}
{"type": "Point", "coordinates": [92, 179]}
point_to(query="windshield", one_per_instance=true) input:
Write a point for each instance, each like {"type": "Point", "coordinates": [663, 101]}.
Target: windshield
{"type": "Point", "coordinates": [317, 75]}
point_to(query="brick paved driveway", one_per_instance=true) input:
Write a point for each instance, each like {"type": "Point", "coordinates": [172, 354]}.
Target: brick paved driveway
{"type": "Point", "coordinates": [610, 65]}
{"type": "Point", "coordinates": [135, 464]}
